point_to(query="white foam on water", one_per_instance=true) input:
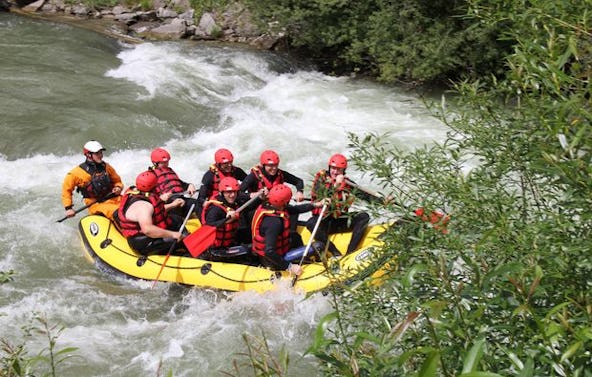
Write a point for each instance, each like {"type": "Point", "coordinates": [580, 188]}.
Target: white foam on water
{"type": "Point", "coordinates": [202, 330]}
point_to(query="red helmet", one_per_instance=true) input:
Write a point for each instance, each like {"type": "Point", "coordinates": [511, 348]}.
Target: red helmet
{"type": "Point", "coordinates": [92, 146]}
{"type": "Point", "coordinates": [146, 181]}
{"type": "Point", "coordinates": [223, 155]}
{"type": "Point", "coordinates": [338, 161]}
{"type": "Point", "coordinates": [228, 184]}
{"type": "Point", "coordinates": [279, 195]}
{"type": "Point", "coordinates": [269, 157]}
{"type": "Point", "coordinates": [160, 155]}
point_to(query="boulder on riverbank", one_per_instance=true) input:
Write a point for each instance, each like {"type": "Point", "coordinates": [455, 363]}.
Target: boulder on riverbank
{"type": "Point", "coordinates": [165, 20]}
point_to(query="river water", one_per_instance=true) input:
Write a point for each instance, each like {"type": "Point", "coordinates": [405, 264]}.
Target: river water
{"type": "Point", "coordinates": [61, 86]}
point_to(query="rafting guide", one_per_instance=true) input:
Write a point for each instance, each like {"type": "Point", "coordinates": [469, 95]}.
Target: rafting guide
{"type": "Point", "coordinates": [97, 182]}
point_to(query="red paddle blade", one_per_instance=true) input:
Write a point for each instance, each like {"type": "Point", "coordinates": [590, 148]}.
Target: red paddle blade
{"type": "Point", "coordinates": [437, 218]}
{"type": "Point", "coordinates": [198, 241]}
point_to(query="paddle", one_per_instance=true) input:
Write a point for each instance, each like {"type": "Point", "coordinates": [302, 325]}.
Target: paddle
{"type": "Point", "coordinates": [434, 217]}
{"type": "Point", "coordinates": [106, 197]}
{"type": "Point", "coordinates": [198, 241]}
{"type": "Point", "coordinates": [305, 199]}
{"type": "Point", "coordinates": [309, 244]}
{"type": "Point", "coordinates": [375, 194]}
{"type": "Point", "coordinates": [174, 244]}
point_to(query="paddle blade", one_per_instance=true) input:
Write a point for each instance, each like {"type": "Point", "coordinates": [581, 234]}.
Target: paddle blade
{"type": "Point", "coordinates": [438, 219]}
{"type": "Point", "coordinates": [198, 241]}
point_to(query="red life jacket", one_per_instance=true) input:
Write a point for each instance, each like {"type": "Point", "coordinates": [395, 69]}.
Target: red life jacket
{"type": "Point", "coordinates": [283, 241]}
{"type": "Point", "coordinates": [131, 228]}
{"type": "Point", "coordinates": [100, 183]}
{"type": "Point", "coordinates": [168, 181]}
{"type": "Point", "coordinates": [218, 175]}
{"type": "Point", "coordinates": [263, 181]}
{"type": "Point", "coordinates": [323, 186]}
{"type": "Point", "coordinates": [225, 233]}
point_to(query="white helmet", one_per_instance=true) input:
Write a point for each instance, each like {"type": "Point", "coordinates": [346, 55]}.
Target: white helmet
{"type": "Point", "coordinates": [92, 146]}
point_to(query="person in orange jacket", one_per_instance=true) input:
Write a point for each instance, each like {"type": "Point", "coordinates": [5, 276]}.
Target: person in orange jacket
{"type": "Point", "coordinates": [95, 180]}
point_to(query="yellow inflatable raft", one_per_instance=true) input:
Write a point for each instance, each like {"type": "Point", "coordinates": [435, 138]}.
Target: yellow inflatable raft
{"type": "Point", "coordinates": [105, 246]}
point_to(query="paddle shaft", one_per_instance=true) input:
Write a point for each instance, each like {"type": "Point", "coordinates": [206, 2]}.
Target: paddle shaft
{"type": "Point", "coordinates": [310, 240]}
{"type": "Point", "coordinates": [106, 197]}
{"type": "Point", "coordinates": [248, 202]}
{"type": "Point", "coordinates": [174, 244]}
{"type": "Point", "coordinates": [373, 193]}
{"type": "Point", "coordinates": [305, 199]}
{"type": "Point", "coordinates": [364, 189]}
{"type": "Point", "coordinates": [434, 217]}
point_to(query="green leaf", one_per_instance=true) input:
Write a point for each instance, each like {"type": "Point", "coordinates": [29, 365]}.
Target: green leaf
{"type": "Point", "coordinates": [410, 275]}
{"type": "Point", "coordinates": [556, 309]}
{"type": "Point", "coordinates": [319, 340]}
{"type": "Point", "coordinates": [360, 337]}
{"type": "Point", "coordinates": [538, 272]}
{"type": "Point", "coordinates": [501, 272]}
{"type": "Point", "coordinates": [332, 360]}
{"type": "Point", "coordinates": [528, 369]}
{"type": "Point", "coordinates": [571, 351]}
{"type": "Point", "coordinates": [585, 333]}
{"type": "Point", "coordinates": [66, 350]}
{"type": "Point", "coordinates": [430, 365]}
{"type": "Point", "coordinates": [474, 356]}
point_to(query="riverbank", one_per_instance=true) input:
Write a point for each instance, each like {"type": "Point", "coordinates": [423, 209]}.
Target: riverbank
{"type": "Point", "coordinates": [162, 20]}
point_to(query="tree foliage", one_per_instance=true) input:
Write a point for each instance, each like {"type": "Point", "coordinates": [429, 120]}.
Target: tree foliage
{"type": "Point", "coordinates": [507, 290]}
{"type": "Point", "coordinates": [412, 41]}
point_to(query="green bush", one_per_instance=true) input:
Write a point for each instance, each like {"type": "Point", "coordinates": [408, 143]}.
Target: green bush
{"type": "Point", "coordinates": [507, 290]}
{"type": "Point", "coordinates": [202, 6]}
{"type": "Point", "coordinates": [96, 4]}
{"type": "Point", "coordinates": [406, 41]}
{"type": "Point", "coordinates": [15, 360]}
